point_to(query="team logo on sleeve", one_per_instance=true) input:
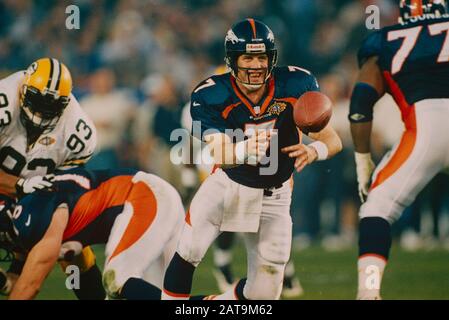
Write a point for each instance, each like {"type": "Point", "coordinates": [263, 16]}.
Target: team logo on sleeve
{"type": "Point", "coordinates": [47, 141]}
{"type": "Point", "coordinates": [277, 107]}
{"type": "Point", "coordinates": [357, 116]}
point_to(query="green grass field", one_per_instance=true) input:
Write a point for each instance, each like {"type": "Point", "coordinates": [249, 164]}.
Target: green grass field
{"type": "Point", "coordinates": [324, 275]}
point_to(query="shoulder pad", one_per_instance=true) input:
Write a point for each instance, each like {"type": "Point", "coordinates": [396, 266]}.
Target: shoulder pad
{"type": "Point", "coordinates": [295, 80]}
{"type": "Point", "coordinates": [12, 81]}
{"type": "Point", "coordinates": [35, 217]}
{"type": "Point", "coordinates": [9, 97]}
{"type": "Point", "coordinates": [214, 90]}
{"type": "Point", "coordinates": [292, 71]}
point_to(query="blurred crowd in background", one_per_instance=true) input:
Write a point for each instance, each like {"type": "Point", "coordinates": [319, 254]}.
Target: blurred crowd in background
{"type": "Point", "coordinates": [134, 64]}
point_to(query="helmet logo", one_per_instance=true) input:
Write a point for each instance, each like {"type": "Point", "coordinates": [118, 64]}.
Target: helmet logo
{"type": "Point", "coordinates": [255, 47]}
{"type": "Point", "coordinates": [270, 36]}
{"type": "Point", "coordinates": [32, 68]}
{"type": "Point", "coordinates": [230, 36]}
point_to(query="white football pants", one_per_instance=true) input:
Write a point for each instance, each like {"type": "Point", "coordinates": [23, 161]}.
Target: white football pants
{"type": "Point", "coordinates": [268, 249]}
{"type": "Point", "coordinates": [422, 152]}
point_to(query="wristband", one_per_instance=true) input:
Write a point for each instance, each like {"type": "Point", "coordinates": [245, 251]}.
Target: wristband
{"type": "Point", "coordinates": [321, 149]}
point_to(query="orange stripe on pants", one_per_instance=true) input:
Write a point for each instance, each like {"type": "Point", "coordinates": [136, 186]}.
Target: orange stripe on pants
{"type": "Point", "coordinates": [403, 151]}
{"type": "Point", "coordinates": [144, 206]}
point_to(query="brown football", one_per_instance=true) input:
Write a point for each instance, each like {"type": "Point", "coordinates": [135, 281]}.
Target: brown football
{"type": "Point", "coordinates": [312, 111]}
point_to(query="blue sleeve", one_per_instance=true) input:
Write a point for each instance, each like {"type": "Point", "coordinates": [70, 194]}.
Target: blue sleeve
{"type": "Point", "coordinates": [299, 82]}
{"type": "Point", "coordinates": [36, 213]}
{"type": "Point", "coordinates": [312, 83]}
{"type": "Point", "coordinates": [371, 46]}
{"type": "Point", "coordinates": [205, 116]}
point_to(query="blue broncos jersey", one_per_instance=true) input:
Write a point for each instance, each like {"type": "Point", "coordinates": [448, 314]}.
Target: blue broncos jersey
{"type": "Point", "coordinates": [414, 59]}
{"type": "Point", "coordinates": [94, 199]}
{"type": "Point", "coordinates": [219, 104]}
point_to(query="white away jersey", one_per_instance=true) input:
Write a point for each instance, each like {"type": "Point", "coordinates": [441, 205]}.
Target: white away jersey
{"type": "Point", "coordinates": [71, 143]}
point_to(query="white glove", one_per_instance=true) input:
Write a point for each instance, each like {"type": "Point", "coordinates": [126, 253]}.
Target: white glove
{"type": "Point", "coordinates": [365, 167]}
{"type": "Point", "coordinates": [26, 186]}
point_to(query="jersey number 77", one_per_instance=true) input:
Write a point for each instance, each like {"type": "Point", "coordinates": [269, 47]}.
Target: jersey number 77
{"type": "Point", "coordinates": [410, 36]}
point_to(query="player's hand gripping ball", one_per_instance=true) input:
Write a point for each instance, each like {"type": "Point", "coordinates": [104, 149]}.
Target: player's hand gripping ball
{"type": "Point", "coordinates": [312, 111]}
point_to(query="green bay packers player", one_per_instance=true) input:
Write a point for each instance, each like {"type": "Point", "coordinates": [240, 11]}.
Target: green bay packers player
{"type": "Point", "coordinates": [43, 128]}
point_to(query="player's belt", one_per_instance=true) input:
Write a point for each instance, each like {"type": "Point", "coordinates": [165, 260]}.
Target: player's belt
{"type": "Point", "coordinates": [268, 192]}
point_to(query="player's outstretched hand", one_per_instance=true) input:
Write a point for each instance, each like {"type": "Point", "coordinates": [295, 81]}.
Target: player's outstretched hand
{"type": "Point", "coordinates": [26, 186]}
{"type": "Point", "coordinates": [304, 155]}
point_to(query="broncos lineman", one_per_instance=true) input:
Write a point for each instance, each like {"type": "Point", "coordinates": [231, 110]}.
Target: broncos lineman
{"type": "Point", "coordinates": [257, 98]}
{"type": "Point", "coordinates": [410, 61]}
{"type": "Point", "coordinates": [137, 215]}
{"type": "Point", "coordinates": [43, 128]}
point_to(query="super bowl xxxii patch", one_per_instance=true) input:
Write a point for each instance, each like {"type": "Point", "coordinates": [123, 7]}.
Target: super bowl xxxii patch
{"type": "Point", "coordinates": [277, 107]}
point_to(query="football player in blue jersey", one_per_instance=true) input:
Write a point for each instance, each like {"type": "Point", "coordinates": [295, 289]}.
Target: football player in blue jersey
{"type": "Point", "coordinates": [223, 249]}
{"type": "Point", "coordinates": [246, 117]}
{"type": "Point", "coordinates": [410, 61]}
{"type": "Point", "coordinates": [137, 215]}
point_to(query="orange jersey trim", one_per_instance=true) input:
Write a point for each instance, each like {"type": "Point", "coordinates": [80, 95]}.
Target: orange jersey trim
{"type": "Point", "coordinates": [228, 109]}
{"type": "Point", "coordinates": [291, 100]}
{"type": "Point", "coordinates": [90, 205]}
{"type": "Point", "coordinates": [269, 96]}
{"type": "Point", "coordinates": [247, 103]}
{"type": "Point", "coordinates": [399, 97]}
{"type": "Point", "coordinates": [176, 295]}
{"type": "Point", "coordinates": [242, 97]}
